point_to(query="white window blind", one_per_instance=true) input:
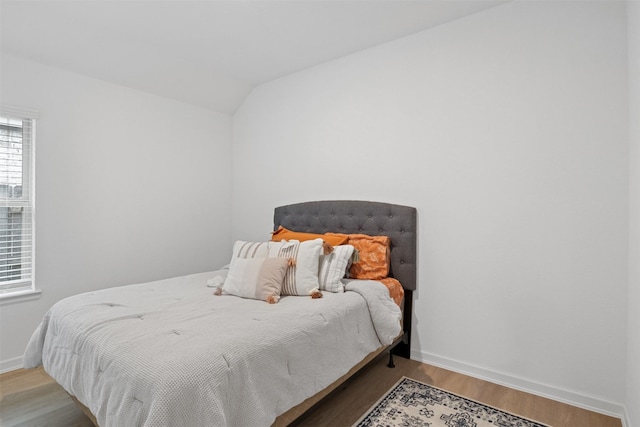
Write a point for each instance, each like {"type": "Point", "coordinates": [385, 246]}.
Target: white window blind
{"type": "Point", "coordinates": [17, 131]}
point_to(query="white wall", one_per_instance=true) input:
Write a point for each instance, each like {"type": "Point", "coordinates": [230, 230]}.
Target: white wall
{"type": "Point", "coordinates": [508, 131]}
{"type": "Point", "coordinates": [130, 187]}
{"type": "Point", "coordinates": [633, 331]}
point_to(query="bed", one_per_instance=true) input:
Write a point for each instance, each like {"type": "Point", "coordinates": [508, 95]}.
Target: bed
{"type": "Point", "coordinates": [171, 353]}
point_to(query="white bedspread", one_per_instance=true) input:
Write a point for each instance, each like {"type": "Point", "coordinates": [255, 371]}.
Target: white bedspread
{"type": "Point", "coordinates": [169, 353]}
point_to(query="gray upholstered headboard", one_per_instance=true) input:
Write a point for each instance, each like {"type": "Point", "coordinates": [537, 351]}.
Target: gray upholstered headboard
{"type": "Point", "coordinates": [355, 216]}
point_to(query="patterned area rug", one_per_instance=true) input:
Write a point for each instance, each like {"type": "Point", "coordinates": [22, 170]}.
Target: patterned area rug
{"type": "Point", "coordinates": [411, 403]}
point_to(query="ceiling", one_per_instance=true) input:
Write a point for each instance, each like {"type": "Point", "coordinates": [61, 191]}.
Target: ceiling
{"type": "Point", "coordinates": [209, 53]}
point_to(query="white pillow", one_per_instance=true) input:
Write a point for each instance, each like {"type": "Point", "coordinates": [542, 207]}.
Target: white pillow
{"type": "Point", "coordinates": [333, 267]}
{"type": "Point", "coordinates": [256, 278]}
{"type": "Point", "coordinates": [302, 275]}
{"type": "Point", "coordinates": [242, 249]}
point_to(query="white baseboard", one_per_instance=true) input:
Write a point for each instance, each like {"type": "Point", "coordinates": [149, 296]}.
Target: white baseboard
{"type": "Point", "coordinates": [10, 364]}
{"type": "Point", "coordinates": [625, 419]}
{"type": "Point", "coordinates": [584, 401]}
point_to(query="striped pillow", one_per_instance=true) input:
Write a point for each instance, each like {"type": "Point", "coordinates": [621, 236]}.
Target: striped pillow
{"type": "Point", "coordinates": [333, 267]}
{"type": "Point", "coordinates": [242, 249]}
{"type": "Point", "coordinates": [302, 275]}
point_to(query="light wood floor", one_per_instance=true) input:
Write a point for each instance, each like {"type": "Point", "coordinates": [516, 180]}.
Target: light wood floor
{"type": "Point", "coordinates": [31, 398]}
{"type": "Point", "coordinates": [345, 407]}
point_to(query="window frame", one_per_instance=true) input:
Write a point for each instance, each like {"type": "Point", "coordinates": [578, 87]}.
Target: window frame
{"type": "Point", "coordinates": [27, 290]}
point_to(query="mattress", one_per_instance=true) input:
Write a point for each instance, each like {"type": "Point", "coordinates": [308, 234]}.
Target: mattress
{"type": "Point", "coordinates": [169, 352]}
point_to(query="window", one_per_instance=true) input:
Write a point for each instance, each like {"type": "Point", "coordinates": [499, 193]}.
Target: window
{"type": "Point", "coordinates": [17, 131]}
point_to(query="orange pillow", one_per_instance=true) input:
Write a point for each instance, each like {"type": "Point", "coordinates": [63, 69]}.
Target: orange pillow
{"type": "Point", "coordinates": [283, 234]}
{"type": "Point", "coordinates": [374, 253]}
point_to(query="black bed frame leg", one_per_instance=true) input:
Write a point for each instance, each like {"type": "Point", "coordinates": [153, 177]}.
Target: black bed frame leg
{"type": "Point", "coordinates": [391, 364]}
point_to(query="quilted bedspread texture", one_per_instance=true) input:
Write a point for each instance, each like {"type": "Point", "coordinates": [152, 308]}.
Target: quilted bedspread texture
{"type": "Point", "coordinates": [170, 353]}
